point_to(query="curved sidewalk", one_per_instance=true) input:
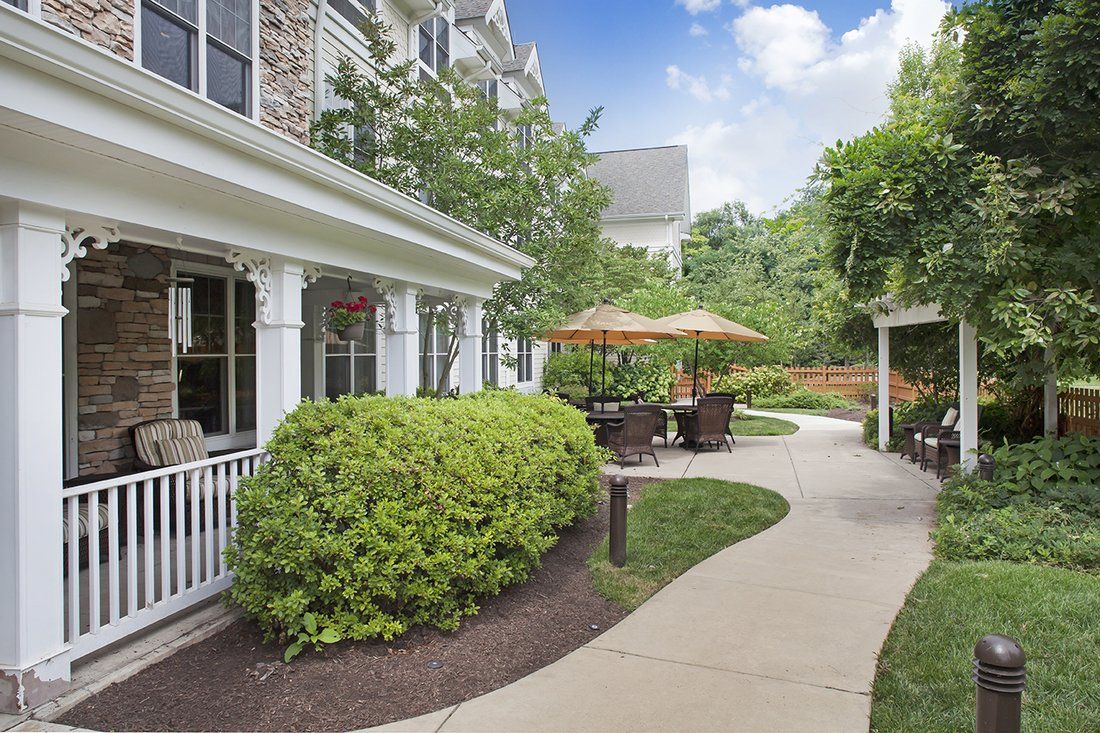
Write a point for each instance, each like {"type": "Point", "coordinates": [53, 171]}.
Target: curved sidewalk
{"type": "Point", "coordinates": [779, 632]}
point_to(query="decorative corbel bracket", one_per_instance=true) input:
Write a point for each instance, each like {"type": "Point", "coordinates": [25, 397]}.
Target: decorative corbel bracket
{"type": "Point", "coordinates": [257, 269]}
{"type": "Point", "coordinates": [76, 238]}
{"type": "Point", "coordinates": [388, 290]}
{"type": "Point", "coordinates": [310, 275]}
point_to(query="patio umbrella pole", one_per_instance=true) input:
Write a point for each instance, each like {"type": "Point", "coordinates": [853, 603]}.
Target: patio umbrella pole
{"type": "Point", "coordinates": [695, 371]}
{"type": "Point", "coordinates": [591, 363]}
{"type": "Point", "coordinates": [603, 375]}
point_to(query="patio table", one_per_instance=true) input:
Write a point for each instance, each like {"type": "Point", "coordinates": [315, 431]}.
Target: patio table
{"type": "Point", "coordinates": [600, 421]}
{"type": "Point", "coordinates": [681, 413]}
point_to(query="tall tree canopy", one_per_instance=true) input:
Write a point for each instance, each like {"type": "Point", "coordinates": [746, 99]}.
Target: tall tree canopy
{"type": "Point", "coordinates": [982, 192]}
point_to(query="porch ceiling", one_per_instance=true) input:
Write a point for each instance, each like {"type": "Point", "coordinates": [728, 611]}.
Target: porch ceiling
{"type": "Point", "coordinates": [89, 133]}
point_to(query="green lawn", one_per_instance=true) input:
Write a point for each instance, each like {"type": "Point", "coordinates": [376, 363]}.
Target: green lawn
{"type": "Point", "coordinates": [923, 681]}
{"type": "Point", "coordinates": [677, 524]}
{"type": "Point", "coordinates": [757, 425]}
{"type": "Point", "coordinates": [795, 410]}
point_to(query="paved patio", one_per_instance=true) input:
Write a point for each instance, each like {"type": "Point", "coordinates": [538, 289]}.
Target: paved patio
{"type": "Point", "coordinates": [778, 633]}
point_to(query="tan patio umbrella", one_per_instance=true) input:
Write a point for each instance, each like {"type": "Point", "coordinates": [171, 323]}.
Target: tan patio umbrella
{"type": "Point", "coordinates": [702, 324]}
{"type": "Point", "coordinates": [609, 325]}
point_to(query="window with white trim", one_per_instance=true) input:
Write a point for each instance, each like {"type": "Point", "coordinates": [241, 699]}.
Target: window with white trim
{"type": "Point", "coordinates": [490, 354]}
{"type": "Point", "coordinates": [526, 135]}
{"type": "Point", "coordinates": [174, 47]}
{"type": "Point", "coordinates": [20, 4]}
{"type": "Point", "coordinates": [490, 88]}
{"type": "Point", "coordinates": [525, 362]}
{"type": "Point", "coordinates": [351, 367]}
{"type": "Point", "coordinates": [216, 378]}
{"type": "Point", "coordinates": [435, 46]}
{"type": "Point", "coordinates": [354, 11]}
{"type": "Point", "coordinates": [433, 350]}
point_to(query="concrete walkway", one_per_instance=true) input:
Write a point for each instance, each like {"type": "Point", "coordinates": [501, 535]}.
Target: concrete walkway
{"type": "Point", "coordinates": [778, 633]}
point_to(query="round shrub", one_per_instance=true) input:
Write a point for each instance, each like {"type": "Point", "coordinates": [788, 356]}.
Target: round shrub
{"type": "Point", "coordinates": [764, 381]}
{"type": "Point", "coordinates": [376, 514]}
{"type": "Point", "coordinates": [651, 380]}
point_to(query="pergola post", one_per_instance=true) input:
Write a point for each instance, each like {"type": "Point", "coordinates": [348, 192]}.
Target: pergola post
{"type": "Point", "coordinates": [883, 387]}
{"type": "Point", "coordinates": [469, 347]}
{"type": "Point", "coordinates": [33, 663]}
{"type": "Point", "coordinates": [968, 395]}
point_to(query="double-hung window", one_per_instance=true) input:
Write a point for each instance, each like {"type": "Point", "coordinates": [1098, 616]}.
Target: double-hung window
{"type": "Point", "coordinates": [21, 4]}
{"type": "Point", "coordinates": [433, 350]}
{"type": "Point", "coordinates": [216, 378]}
{"type": "Point", "coordinates": [353, 11]}
{"type": "Point", "coordinates": [526, 136]}
{"type": "Point", "coordinates": [490, 88]}
{"type": "Point", "coordinates": [435, 46]}
{"type": "Point", "coordinates": [490, 354]}
{"type": "Point", "coordinates": [203, 45]}
{"type": "Point", "coordinates": [525, 367]}
{"type": "Point", "coordinates": [351, 367]}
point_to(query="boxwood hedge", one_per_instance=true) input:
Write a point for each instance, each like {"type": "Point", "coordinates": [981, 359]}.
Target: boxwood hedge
{"type": "Point", "coordinates": [376, 514]}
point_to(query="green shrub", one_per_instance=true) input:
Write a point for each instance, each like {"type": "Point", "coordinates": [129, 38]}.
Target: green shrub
{"type": "Point", "coordinates": [567, 371]}
{"type": "Point", "coordinates": [1043, 506]}
{"type": "Point", "coordinates": [652, 380]}
{"type": "Point", "coordinates": [377, 514]}
{"type": "Point", "coordinates": [764, 381]}
{"type": "Point", "coordinates": [802, 398]}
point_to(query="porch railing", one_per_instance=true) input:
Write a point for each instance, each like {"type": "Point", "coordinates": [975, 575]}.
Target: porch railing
{"type": "Point", "coordinates": [154, 545]}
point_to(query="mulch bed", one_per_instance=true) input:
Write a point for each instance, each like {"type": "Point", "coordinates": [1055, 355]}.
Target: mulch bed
{"type": "Point", "coordinates": [233, 681]}
{"type": "Point", "coordinates": [855, 415]}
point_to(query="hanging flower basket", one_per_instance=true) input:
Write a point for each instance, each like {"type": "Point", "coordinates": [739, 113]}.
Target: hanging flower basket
{"type": "Point", "coordinates": [348, 320]}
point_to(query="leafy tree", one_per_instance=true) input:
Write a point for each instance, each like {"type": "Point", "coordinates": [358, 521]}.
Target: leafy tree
{"type": "Point", "coordinates": [982, 192]}
{"type": "Point", "coordinates": [443, 141]}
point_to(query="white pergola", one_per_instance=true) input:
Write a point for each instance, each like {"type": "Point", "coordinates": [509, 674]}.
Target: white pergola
{"type": "Point", "coordinates": [893, 316]}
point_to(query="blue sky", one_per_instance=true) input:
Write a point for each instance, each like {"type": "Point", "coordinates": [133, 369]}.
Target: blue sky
{"type": "Point", "coordinates": [755, 89]}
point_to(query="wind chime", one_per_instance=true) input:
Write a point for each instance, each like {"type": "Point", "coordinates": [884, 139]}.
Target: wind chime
{"type": "Point", "coordinates": [179, 312]}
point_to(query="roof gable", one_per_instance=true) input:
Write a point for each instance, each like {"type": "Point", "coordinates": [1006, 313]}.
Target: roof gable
{"type": "Point", "coordinates": [644, 181]}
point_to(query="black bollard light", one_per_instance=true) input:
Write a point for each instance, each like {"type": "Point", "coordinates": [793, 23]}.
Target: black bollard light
{"type": "Point", "coordinates": [1000, 679]}
{"type": "Point", "coordinates": [617, 539]}
{"type": "Point", "coordinates": [986, 464]}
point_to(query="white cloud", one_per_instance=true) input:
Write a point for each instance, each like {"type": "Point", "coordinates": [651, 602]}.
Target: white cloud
{"type": "Point", "coordinates": [699, 6]}
{"type": "Point", "coordinates": [696, 86]}
{"type": "Point", "coordinates": [820, 87]}
{"type": "Point", "coordinates": [697, 30]}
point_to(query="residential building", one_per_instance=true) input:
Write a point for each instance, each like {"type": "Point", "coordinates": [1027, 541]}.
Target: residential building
{"type": "Point", "coordinates": [168, 242]}
{"type": "Point", "coordinates": [650, 199]}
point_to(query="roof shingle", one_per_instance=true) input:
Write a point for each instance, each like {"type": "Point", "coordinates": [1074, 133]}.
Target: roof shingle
{"type": "Point", "coordinates": [644, 180]}
{"type": "Point", "coordinates": [471, 8]}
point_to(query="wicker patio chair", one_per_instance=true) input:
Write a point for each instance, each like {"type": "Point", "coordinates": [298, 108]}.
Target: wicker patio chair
{"type": "Point", "coordinates": [711, 422]}
{"type": "Point", "coordinates": [633, 436]}
{"type": "Point", "coordinates": [608, 402]}
{"type": "Point", "coordinates": [660, 430]}
{"type": "Point", "coordinates": [729, 428]}
{"type": "Point", "coordinates": [926, 435]}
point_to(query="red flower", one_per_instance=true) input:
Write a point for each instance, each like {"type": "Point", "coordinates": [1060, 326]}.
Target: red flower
{"type": "Point", "coordinates": [335, 304]}
{"type": "Point", "coordinates": [362, 299]}
{"type": "Point", "coordinates": [374, 309]}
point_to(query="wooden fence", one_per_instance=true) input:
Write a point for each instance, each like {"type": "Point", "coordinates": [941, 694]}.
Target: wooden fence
{"type": "Point", "coordinates": [853, 382]}
{"type": "Point", "coordinates": [1079, 410]}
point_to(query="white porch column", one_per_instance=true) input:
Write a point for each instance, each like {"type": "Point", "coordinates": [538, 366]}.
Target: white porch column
{"type": "Point", "coordinates": [279, 284]}
{"type": "Point", "coordinates": [883, 387]}
{"type": "Point", "coordinates": [469, 348]}
{"type": "Point", "coordinates": [33, 666]}
{"type": "Point", "coordinates": [402, 337]}
{"type": "Point", "coordinates": [968, 395]}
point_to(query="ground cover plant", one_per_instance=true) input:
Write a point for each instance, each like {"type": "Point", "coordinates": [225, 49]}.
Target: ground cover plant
{"type": "Point", "coordinates": [1042, 506]}
{"type": "Point", "coordinates": [377, 514]}
{"type": "Point", "coordinates": [676, 525]}
{"type": "Point", "coordinates": [802, 398]}
{"type": "Point", "coordinates": [923, 680]}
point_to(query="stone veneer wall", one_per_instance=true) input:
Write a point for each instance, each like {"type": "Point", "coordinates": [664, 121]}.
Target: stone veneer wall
{"type": "Point", "coordinates": [106, 23]}
{"type": "Point", "coordinates": [124, 355]}
{"type": "Point", "coordinates": [286, 67]}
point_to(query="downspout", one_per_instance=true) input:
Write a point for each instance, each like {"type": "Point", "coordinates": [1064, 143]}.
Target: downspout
{"type": "Point", "coordinates": [318, 74]}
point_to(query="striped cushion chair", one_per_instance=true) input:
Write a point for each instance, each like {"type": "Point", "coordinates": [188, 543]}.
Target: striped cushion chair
{"type": "Point", "coordinates": [168, 442]}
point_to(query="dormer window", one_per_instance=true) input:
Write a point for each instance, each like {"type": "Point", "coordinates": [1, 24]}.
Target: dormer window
{"type": "Point", "coordinates": [435, 45]}
{"type": "Point", "coordinates": [217, 63]}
